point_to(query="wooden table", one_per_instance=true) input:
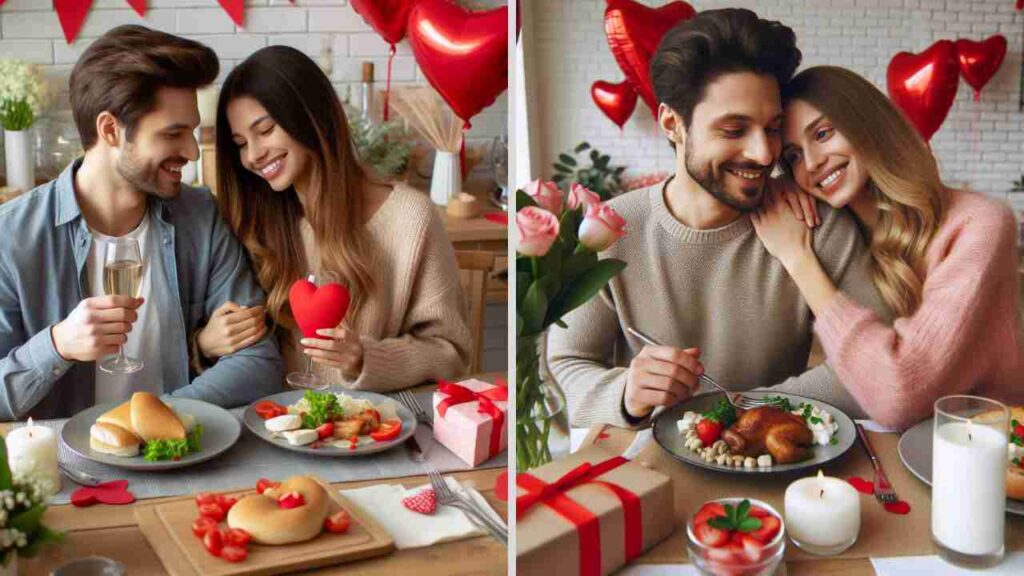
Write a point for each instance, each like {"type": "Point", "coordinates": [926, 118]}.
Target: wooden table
{"type": "Point", "coordinates": [112, 531]}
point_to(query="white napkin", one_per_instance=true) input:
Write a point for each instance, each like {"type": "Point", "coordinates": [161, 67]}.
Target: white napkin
{"type": "Point", "coordinates": [1013, 563]}
{"type": "Point", "coordinates": [411, 529]}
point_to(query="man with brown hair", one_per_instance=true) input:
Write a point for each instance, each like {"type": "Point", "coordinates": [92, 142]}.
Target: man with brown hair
{"type": "Point", "coordinates": [698, 279]}
{"type": "Point", "coordinates": [133, 96]}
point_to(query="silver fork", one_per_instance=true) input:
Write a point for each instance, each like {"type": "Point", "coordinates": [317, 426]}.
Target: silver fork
{"type": "Point", "coordinates": [446, 497]}
{"type": "Point", "coordinates": [883, 490]}
{"type": "Point", "coordinates": [79, 477]}
{"type": "Point", "coordinates": [407, 398]}
{"type": "Point", "coordinates": [743, 402]}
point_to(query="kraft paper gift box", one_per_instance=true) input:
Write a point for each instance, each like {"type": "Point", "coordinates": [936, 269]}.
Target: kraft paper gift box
{"type": "Point", "coordinates": [469, 419]}
{"type": "Point", "coordinates": [589, 522]}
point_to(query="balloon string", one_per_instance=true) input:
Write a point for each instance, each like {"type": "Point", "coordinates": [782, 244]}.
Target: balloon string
{"type": "Point", "coordinates": [387, 81]}
{"type": "Point", "coordinates": [462, 154]}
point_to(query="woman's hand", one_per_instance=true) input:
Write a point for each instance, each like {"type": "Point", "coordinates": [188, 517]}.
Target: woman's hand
{"type": "Point", "coordinates": [340, 349]}
{"type": "Point", "coordinates": [782, 233]}
{"type": "Point", "coordinates": [232, 328]}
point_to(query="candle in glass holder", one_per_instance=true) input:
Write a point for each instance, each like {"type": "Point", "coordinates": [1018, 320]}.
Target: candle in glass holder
{"type": "Point", "coordinates": [969, 480]}
{"type": "Point", "coordinates": [822, 514]}
{"type": "Point", "coordinates": [32, 453]}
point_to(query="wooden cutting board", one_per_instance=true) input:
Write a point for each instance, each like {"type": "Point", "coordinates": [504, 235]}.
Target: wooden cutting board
{"type": "Point", "coordinates": [167, 526]}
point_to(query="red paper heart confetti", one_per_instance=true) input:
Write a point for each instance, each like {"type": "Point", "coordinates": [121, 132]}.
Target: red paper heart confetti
{"type": "Point", "coordinates": [497, 217]}
{"type": "Point", "coordinates": [900, 507]}
{"type": "Point", "coordinates": [862, 485]}
{"type": "Point", "coordinates": [501, 487]}
{"type": "Point", "coordinates": [114, 492]}
{"type": "Point", "coordinates": [424, 502]}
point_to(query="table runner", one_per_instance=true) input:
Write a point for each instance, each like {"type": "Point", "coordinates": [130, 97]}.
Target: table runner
{"type": "Point", "coordinates": [252, 458]}
{"type": "Point", "coordinates": [882, 534]}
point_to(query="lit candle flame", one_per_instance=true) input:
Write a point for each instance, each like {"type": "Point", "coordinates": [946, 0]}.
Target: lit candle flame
{"type": "Point", "coordinates": [29, 426]}
{"type": "Point", "coordinates": [969, 438]}
{"type": "Point", "coordinates": [821, 476]}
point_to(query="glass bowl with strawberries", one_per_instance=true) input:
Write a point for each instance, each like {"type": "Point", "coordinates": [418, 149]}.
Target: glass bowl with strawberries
{"type": "Point", "coordinates": [736, 537]}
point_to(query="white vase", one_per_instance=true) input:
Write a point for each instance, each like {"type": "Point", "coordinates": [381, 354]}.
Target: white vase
{"type": "Point", "coordinates": [20, 159]}
{"type": "Point", "coordinates": [446, 180]}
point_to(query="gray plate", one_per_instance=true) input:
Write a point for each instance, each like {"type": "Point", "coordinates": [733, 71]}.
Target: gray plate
{"type": "Point", "coordinates": [255, 424]}
{"type": "Point", "coordinates": [915, 449]}
{"type": "Point", "coordinates": [220, 432]}
{"type": "Point", "coordinates": [666, 432]}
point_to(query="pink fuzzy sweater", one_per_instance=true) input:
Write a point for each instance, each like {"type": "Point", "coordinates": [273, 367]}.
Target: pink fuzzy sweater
{"type": "Point", "coordinates": [963, 339]}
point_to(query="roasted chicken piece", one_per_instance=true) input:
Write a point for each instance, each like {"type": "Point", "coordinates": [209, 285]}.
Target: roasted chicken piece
{"type": "Point", "coordinates": [359, 425]}
{"type": "Point", "coordinates": [769, 429]}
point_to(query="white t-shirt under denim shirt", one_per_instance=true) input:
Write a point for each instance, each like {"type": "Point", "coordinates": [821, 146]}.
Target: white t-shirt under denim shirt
{"type": "Point", "coordinates": [144, 339]}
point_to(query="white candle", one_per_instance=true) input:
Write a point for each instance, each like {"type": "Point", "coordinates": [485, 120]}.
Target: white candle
{"type": "Point", "coordinates": [969, 488]}
{"type": "Point", "coordinates": [822, 512]}
{"type": "Point", "coordinates": [32, 453]}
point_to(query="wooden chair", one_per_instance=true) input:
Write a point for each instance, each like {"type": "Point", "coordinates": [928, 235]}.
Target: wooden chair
{"type": "Point", "coordinates": [475, 268]}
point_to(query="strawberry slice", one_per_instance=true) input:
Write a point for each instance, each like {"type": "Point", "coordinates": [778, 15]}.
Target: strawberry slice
{"type": "Point", "coordinates": [752, 547]}
{"type": "Point", "coordinates": [758, 512]}
{"type": "Point", "coordinates": [290, 500]}
{"type": "Point", "coordinates": [707, 512]}
{"type": "Point", "coordinates": [263, 483]}
{"type": "Point", "coordinates": [233, 553]}
{"type": "Point", "coordinates": [325, 430]}
{"type": "Point", "coordinates": [202, 525]}
{"type": "Point", "coordinates": [424, 502]}
{"type": "Point", "coordinates": [338, 523]}
{"type": "Point", "coordinates": [213, 541]}
{"type": "Point", "coordinates": [710, 536]}
{"type": "Point", "coordinates": [213, 511]}
{"type": "Point", "coordinates": [770, 526]}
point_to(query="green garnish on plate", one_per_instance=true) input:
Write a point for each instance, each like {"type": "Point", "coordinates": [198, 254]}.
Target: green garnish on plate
{"type": "Point", "coordinates": [156, 450]}
{"type": "Point", "coordinates": [323, 407]}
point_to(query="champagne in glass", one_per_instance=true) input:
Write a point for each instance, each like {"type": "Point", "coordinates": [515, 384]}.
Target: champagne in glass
{"type": "Point", "coordinates": [122, 276]}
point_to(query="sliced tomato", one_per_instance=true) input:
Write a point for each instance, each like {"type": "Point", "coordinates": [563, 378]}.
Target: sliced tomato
{"type": "Point", "coordinates": [388, 431]}
{"type": "Point", "coordinates": [263, 483]}
{"type": "Point", "coordinates": [226, 502]}
{"type": "Point", "coordinates": [205, 498]}
{"type": "Point", "coordinates": [202, 525]}
{"type": "Point", "coordinates": [325, 430]}
{"type": "Point", "coordinates": [212, 511]}
{"type": "Point", "coordinates": [234, 553]}
{"type": "Point", "coordinates": [213, 541]}
{"type": "Point", "coordinates": [266, 409]}
{"type": "Point", "coordinates": [338, 523]}
{"type": "Point", "coordinates": [236, 537]}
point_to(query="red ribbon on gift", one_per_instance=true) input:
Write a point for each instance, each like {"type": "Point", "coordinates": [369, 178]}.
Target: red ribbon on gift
{"type": "Point", "coordinates": [586, 523]}
{"type": "Point", "coordinates": [485, 405]}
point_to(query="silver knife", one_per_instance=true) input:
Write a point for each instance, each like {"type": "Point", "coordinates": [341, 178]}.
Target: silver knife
{"type": "Point", "coordinates": [414, 450]}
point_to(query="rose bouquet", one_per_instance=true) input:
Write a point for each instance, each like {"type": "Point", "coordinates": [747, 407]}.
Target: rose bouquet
{"type": "Point", "coordinates": [22, 503]}
{"type": "Point", "coordinates": [557, 270]}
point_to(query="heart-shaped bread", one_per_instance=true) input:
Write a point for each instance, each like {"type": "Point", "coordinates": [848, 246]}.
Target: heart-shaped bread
{"type": "Point", "coordinates": [318, 308]}
{"type": "Point", "coordinates": [267, 523]}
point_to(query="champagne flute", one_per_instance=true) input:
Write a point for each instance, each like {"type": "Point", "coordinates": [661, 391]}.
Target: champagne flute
{"type": "Point", "coordinates": [122, 276]}
{"type": "Point", "coordinates": [308, 378]}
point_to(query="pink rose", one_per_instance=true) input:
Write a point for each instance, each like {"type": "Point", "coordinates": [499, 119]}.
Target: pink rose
{"type": "Point", "coordinates": [580, 195]}
{"type": "Point", "coordinates": [601, 227]}
{"type": "Point", "coordinates": [547, 195]}
{"type": "Point", "coordinates": [538, 230]}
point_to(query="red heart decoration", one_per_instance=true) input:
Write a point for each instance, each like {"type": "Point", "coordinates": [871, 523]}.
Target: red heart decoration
{"type": "Point", "coordinates": [424, 502]}
{"type": "Point", "coordinates": [617, 101]}
{"type": "Point", "coordinates": [318, 308]}
{"type": "Point", "coordinates": [501, 486]}
{"type": "Point", "coordinates": [634, 31]}
{"type": "Point", "coordinates": [463, 54]}
{"type": "Point", "coordinates": [114, 492]}
{"type": "Point", "coordinates": [387, 17]}
{"type": "Point", "coordinates": [979, 61]}
{"type": "Point", "coordinates": [71, 14]}
{"type": "Point", "coordinates": [924, 85]}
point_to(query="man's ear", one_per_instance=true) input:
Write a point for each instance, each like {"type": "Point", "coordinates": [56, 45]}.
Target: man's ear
{"type": "Point", "coordinates": [671, 124]}
{"type": "Point", "coordinates": [107, 129]}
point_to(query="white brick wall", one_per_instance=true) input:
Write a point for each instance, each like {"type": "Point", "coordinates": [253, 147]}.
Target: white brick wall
{"type": "Point", "coordinates": [980, 144]}
{"type": "Point", "coordinates": [29, 30]}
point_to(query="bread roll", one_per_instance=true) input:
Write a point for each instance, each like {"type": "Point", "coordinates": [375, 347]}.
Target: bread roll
{"type": "Point", "coordinates": [120, 416]}
{"type": "Point", "coordinates": [153, 420]}
{"type": "Point", "coordinates": [112, 439]}
{"type": "Point", "coordinates": [267, 523]}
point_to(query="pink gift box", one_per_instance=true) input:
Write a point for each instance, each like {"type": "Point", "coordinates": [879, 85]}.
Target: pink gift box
{"type": "Point", "coordinates": [466, 431]}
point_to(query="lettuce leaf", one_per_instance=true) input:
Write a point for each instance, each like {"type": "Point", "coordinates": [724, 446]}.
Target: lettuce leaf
{"type": "Point", "coordinates": [323, 407]}
{"type": "Point", "coordinates": [156, 450]}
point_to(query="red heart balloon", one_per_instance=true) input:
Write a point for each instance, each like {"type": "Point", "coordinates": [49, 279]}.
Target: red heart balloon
{"type": "Point", "coordinates": [924, 85]}
{"type": "Point", "coordinates": [387, 17]}
{"type": "Point", "coordinates": [617, 101]}
{"type": "Point", "coordinates": [979, 61]}
{"type": "Point", "coordinates": [463, 54]}
{"type": "Point", "coordinates": [634, 31]}
{"type": "Point", "coordinates": [318, 308]}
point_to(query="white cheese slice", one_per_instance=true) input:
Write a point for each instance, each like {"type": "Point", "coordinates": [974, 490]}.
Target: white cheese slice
{"type": "Point", "coordinates": [284, 422]}
{"type": "Point", "coordinates": [300, 437]}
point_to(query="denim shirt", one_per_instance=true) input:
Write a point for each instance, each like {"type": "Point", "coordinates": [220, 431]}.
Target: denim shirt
{"type": "Point", "coordinates": [44, 242]}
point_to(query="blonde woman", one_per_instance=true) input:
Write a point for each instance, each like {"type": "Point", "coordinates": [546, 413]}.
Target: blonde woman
{"type": "Point", "coordinates": [945, 260]}
{"type": "Point", "coordinates": [292, 190]}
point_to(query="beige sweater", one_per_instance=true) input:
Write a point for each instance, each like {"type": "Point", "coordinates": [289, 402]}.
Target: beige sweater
{"type": "Point", "coordinates": [415, 327]}
{"type": "Point", "coordinates": [716, 289]}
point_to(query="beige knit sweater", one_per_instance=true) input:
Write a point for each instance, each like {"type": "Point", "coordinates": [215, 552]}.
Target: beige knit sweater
{"type": "Point", "coordinates": [716, 289]}
{"type": "Point", "coordinates": [415, 326]}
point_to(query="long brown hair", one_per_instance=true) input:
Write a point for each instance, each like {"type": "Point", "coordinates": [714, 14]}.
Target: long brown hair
{"type": "Point", "coordinates": [903, 176]}
{"type": "Point", "coordinates": [300, 98]}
